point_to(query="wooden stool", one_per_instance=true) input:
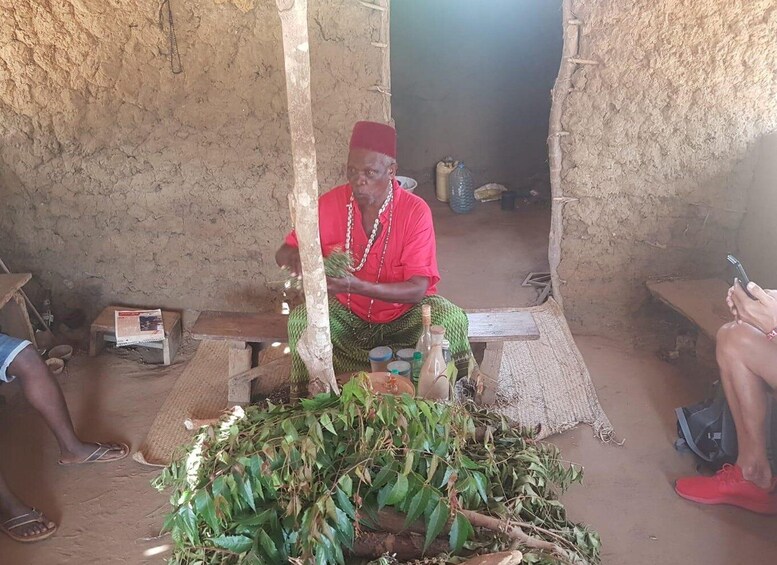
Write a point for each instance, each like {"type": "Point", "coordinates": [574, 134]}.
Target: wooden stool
{"type": "Point", "coordinates": [104, 329]}
{"type": "Point", "coordinates": [242, 330]}
{"type": "Point", "coordinates": [494, 327]}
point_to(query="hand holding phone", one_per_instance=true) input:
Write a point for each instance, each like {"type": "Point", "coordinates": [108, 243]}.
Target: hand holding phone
{"type": "Point", "coordinates": [740, 275]}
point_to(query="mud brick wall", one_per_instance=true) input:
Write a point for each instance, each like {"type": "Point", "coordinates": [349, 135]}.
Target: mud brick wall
{"type": "Point", "coordinates": [123, 182]}
{"type": "Point", "coordinates": [662, 145]}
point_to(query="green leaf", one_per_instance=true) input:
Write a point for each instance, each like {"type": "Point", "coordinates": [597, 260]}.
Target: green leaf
{"type": "Point", "coordinates": [238, 544]}
{"type": "Point", "coordinates": [417, 505]}
{"type": "Point", "coordinates": [399, 491]}
{"type": "Point", "coordinates": [461, 530]}
{"type": "Point", "coordinates": [257, 519]}
{"type": "Point", "coordinates": [290, 431]}
{"type": "Point", "coordinates": [247, 493]}
{"type": "Point", "coordinates": [480, 483]}
{"type": "Point", "coordinates": [383, 495]}
{"type": "Point", "coordinates": [345, 504]}
{"type": "Point", "coordinates": [346, 483]}
{"type": "Point", "coordinates": [268, 546]}
{"type": "Point", "coordinates": [326, 421]}
{"type": "Point", "coordinates": [189, 522]}
{"type": "Point", "coordinates": [436, 523]}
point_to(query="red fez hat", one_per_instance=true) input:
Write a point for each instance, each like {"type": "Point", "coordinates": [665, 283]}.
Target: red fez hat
{"type": "Point", "coordinates": [373, 136]}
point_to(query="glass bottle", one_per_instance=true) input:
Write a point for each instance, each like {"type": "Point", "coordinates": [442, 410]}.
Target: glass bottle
{"type": "Point", "coordinates": [433, 382]}
{"type": "Point", "coordinates": [424, 344]}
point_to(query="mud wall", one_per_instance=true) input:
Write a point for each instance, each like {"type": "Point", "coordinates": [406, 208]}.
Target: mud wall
{"type": "Point", "coordinates": [662, 149]}
{"type": "Point", "coordinates": [758, 233]}
{"type": "Point", "coordinates": [123, 182]}
{"type": "Point", "coordinates": [473, 80]}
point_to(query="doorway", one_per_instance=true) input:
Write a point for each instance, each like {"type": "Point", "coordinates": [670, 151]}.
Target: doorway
{"type": "Point", "coordinates": [472, 80]}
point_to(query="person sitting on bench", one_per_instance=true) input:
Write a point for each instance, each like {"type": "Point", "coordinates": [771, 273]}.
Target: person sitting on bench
{"type": "Point", "coordinates": [18, 359]}
{"type": "Point", "coordinates": [747, 357]}
{"type": "Point", "coordinates": [390, 236]}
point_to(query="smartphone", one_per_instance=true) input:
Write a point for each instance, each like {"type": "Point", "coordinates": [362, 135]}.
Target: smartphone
{"type": "Point", "coordinates": [740, 274]}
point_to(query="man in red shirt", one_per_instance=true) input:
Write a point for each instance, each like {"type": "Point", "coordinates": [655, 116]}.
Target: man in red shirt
{"type": "Point", "coordinates": [390, 236]}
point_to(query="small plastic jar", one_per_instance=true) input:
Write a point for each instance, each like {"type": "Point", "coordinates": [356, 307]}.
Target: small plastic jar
{"type": "Point", "coordinates": [401, 367]}
{"type": "Point", "coordinates": [380, 357]}
{"type": "Point", "coordinates": [405, 355]}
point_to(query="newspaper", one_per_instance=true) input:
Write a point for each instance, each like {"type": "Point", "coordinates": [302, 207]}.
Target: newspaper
{"type": "Point", "coordinates": [138, 326]}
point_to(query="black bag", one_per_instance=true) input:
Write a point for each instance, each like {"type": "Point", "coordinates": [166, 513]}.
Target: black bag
{"type": "Point", "coordinates": [707, 429]}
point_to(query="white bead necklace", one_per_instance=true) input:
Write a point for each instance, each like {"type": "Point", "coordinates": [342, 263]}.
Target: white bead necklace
{"type": "Point", "coordinates": [373, 235]}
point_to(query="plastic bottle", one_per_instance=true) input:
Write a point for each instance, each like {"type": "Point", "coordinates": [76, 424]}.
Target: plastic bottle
{"type": "Point", "coordinates": [462, 189]}
{"type": "Point", "coordinates": [418, 361]}
{"type": "Point", "coordinates": [442, 172]}
{"type": "Point", "coordinates": [433, 383]}
{"type": "Point", "coordinates": [425, 341]}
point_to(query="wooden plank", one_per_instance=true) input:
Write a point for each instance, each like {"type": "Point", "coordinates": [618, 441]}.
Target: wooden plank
{"type": "Point", "coordinates": [252, 327]}
{"type": "Point", "coordinates": [703, 302]}
{"type": "Point", "coordinates": [501, 324]}
{"type": "Point", "coordinates": [10, 284]}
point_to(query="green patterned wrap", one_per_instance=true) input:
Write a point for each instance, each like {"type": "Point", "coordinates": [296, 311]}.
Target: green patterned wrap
{"type": "Point", "coordinates": [353, 338]}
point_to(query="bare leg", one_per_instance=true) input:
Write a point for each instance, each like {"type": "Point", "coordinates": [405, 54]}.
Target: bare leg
{"type": "Point", "coordinates": [45, 395]}
{"type": "Point", "coordinates": [748, 367]}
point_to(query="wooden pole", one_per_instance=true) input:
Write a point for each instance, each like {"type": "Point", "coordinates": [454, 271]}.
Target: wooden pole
{"type": "Point", "coordinates": [555, 133]}
{"type": "Point", "coordinates": [315, 345]}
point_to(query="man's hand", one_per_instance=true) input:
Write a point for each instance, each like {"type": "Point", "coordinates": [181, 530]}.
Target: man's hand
{"type": "Point", "coordinates": [760, 313]}
{"type": "Point", "coordinates": [342, 285]}
{"type": "Point", "coordinates": [287, 257]}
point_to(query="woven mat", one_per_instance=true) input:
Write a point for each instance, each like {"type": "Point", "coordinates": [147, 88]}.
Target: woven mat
{"type": "Point", "coordinates": [545, 382]}
{"type": "Point", "coordinates": [199, 392]}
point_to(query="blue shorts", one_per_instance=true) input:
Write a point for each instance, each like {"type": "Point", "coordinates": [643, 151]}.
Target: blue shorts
{"type": "Point", "coordinates": [10, 347]}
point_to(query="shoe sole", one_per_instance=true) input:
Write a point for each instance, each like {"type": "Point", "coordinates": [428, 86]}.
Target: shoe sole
{"type": "Point", "coordinates": [768, 510]}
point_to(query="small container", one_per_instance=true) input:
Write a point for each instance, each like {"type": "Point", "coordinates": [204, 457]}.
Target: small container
{"type": "Point", "coordinates": [55, 365]}
{"type": "Point", "coordinates": [401, 367]}
{"type": "Point", "coordinates": [406, 355]}
{"type": "Point", "coordinates": [508, 200]}
{"type": "Point", "coordinates": [380, 358]}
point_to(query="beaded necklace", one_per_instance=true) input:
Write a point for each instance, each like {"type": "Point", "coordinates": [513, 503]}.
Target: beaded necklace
{"type": "Point", "coordinates": [373, 236]}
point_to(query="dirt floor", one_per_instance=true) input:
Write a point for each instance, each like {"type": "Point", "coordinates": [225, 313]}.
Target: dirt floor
{"type": "Point", "coordinates": [110, 514]}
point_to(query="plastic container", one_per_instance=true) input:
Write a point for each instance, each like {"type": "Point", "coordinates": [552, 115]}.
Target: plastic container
{"type": "Point", "coordinates": [508, 200]}
{"type": "Point", "coordinates": [406, 355]}
{"type": "Point", "coordinates": [442, 171]}
{"type": "Point", "coordinates": [380, 357]}
{"type": "Point", "coordinates": [407, 183]}
{"type": "Point", "coordinates": [401, 367]}
{"type": "Point", "coordinates": [462, 189]}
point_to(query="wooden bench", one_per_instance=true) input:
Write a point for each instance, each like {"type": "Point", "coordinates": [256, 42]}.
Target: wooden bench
{"type": "Point", "coordinates": [702, 302]}
{"type": "Point", "coordinates": [492, 327]}
{"type": "Point", "coordinates": [242, 330]}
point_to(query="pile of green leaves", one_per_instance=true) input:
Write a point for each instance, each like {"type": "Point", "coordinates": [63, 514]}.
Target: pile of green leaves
{"type": "Point", "coordinates": [300, 481]}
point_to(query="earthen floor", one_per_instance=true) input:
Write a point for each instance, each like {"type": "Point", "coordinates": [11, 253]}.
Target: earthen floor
{"type": "Point", "coordinates": [110, 514]}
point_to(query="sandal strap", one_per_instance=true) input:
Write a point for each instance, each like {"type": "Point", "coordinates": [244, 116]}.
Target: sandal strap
{"type": "Point", "coordinates": [98, 453]}
{"type": "Point", "coordinates": [32, 517]}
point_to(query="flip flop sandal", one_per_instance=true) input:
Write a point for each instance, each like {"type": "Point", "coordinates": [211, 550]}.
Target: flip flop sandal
{"type": "Point", "coordinates": [99, 455]}
{"type": "Point", "coordinates": [32, 517]}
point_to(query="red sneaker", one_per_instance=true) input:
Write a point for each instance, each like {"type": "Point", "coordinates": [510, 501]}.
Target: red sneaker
{"type": "Point", "coordinates": [728, 486]}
